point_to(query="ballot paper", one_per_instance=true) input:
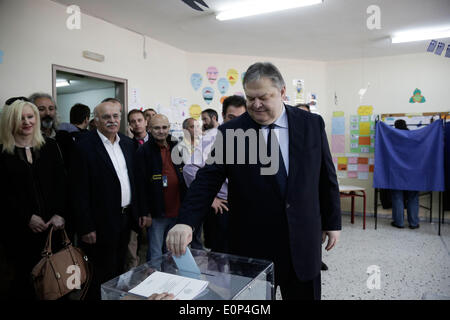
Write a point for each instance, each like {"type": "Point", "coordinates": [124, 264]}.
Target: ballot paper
{"type": "Point", "coordinates": [186, 263]}
{"type": "Point", "coordinates": [181, 287]}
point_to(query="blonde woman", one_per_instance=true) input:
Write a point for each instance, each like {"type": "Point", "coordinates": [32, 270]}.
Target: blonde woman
{"type": "Point", "coordinates": [32, 191]}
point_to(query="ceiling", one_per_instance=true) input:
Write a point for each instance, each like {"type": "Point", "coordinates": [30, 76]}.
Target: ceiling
{"type": "Point", "coordinates": [80, 83]}
{"type": "Point", "coordinates": [334, 30]}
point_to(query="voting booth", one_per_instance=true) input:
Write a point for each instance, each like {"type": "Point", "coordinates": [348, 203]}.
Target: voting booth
{"type": "Point", "coordinates": [211, 276]}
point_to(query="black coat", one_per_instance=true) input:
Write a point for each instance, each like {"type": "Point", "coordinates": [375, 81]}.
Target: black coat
{"type": "Point", "coordinates": [96, 193]}
{"type": "Point", "coordinates": [25, 190]}
{"type": "Point", "coordinates": [149, 178]}
{"type": "Point", "coordinates": [263, 224]}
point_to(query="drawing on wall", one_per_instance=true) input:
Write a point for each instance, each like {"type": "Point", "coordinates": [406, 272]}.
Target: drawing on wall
{"type": "Point", "coordinates": [232, 76]}
{"type": "Point", "coordinates": [195, 111]}
{"type": "Point", "coordinates": [239, 94]}
{"type": "Point", "coordinates": [223, 85]}
{"type": "Point", "coordinates": [196, 81]}
{"type": "Point", "coordinates": [208, 94]}
{"type": "Point", "coordinates": [211, 74]}
{"type": "Point", "coordinates": [417, 97]}
{"type": "Point", "coordinates": [299, 91]}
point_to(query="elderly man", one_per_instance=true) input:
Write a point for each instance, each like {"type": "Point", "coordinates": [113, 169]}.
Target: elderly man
{"type": "Point", "coordinates": [47, 113]}
{"type": "Point", "coordinates": [281, 213]}
{"type": "Point", "coordinates": [160, 183]}
{"type": "Point", "coordinates": [215, 226]}
{"type": "Point", "coordinates": [104, 194]}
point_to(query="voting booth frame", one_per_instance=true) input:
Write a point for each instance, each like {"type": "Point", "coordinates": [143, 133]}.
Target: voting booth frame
{"type": "Point", "coordinates": [444, 117]}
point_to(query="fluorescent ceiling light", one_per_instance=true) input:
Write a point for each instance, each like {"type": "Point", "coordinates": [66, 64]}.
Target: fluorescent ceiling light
{"type": "Point", "coordinates": [418, 35]}
{"type": "Point", "coordinates": [251, 8]}
{"type": "Point", "coordinates": [62, 83]}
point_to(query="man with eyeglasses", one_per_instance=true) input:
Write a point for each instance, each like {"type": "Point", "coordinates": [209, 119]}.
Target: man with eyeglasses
{"type": "Point", "coordinates": [104, 195]}
{"type": "Point", "coordinates": [160, 183]}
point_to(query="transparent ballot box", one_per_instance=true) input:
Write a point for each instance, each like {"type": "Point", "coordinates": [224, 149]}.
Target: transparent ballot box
{"type": "Point", "coordinates": [229, 277]}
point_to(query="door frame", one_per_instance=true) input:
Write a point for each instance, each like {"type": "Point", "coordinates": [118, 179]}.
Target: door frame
{"type": "Point", "coordinates": [118, 91]}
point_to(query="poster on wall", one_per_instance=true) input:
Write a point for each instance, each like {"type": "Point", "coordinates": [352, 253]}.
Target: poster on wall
{"type": "Point", "coordinates": [208, 94]}
{"type": "Point", "coordinates": [362, 133]}
{"type": "Point", "coordinates": [195, 111]}
{"type": "Point", "coordinates": [212, 74]}
{"type": "Point", "coordinates": [223, 85]}
{"type": "Point", "coordinates": [232, 76]}
{"type": "Point", "coordinates": [299, 85]}
{"type": "Point", "coordinates": [196, 81]}
{"type": "Point", "coordinates": [134, 99]}
{"type": "Point", "coordinates": [179, 109]}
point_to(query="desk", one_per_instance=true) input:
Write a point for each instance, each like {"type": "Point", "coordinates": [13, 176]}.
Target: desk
{"type": "Point", "coordinates": [352, 192]}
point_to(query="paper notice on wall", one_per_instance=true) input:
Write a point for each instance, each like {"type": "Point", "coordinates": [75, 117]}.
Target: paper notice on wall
{"type": "Point", "coordinates": [352, 174]}
{"type": "Point", "coordinates": [365, 110]}
{"type": "Point", "coordinates": [179, 109]}
{"type": "Point", "coordinates": [363, 175]}
{"type": "Point", "coordinates": [338, 125]}
{"type": "Point", "coordinates": [338, 143]}
{"type": "Point", "coordinates": [363, 167]}
{"type": "Point", "coordinates": [134, 99]}
{"type": "Point", "coordinates": [364, 128]}
{"type": "Point", "coordinates": [341, 174]}
{"type": "Point", "coordinates": [352, 167]}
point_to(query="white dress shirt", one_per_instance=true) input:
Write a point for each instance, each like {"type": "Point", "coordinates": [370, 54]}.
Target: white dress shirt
{"type": "Point", "coordinates": [281, 129]}
{"type": "Point", "coordinates": [120, 165]}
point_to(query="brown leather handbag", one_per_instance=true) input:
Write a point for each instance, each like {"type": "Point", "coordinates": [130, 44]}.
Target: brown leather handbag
{"type": "Point", "coordinates": [61, 273]}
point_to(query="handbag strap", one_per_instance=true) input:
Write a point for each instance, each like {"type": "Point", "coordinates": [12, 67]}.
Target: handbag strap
{"type": "Point", "coordinates": [89, 272]}
{"type": "Point", "coordinates": [48, 245]}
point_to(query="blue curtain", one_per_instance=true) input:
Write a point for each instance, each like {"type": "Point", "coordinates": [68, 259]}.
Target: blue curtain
{"type": "Point", "coordinates": [409, 160]}
{"type": "Point", "coordinates": [447, 156]}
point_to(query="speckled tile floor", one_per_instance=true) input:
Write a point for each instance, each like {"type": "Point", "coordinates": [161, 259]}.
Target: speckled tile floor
{"type": "Point", "coordinates": [413, 264]}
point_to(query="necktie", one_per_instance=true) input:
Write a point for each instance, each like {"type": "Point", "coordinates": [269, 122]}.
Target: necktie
{"type": "Point", "coordinates": [141, 141]}
{"type": "Point", "coordinates": [281, 175]}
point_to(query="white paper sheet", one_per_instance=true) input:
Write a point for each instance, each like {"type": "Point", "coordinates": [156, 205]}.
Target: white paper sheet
{"type": "Point", "coordinates": [181, 287]}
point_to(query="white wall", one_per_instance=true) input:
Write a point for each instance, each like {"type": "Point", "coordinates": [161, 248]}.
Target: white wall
{"type": "Point", "coordinates": [91, 98]}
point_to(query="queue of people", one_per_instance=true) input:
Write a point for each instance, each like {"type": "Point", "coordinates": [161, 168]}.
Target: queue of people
{"type": "Point", "coordinates": [107, 188]}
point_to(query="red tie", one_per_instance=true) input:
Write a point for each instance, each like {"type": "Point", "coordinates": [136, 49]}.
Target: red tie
{"type": "Point", "coordinates": [141, 141]}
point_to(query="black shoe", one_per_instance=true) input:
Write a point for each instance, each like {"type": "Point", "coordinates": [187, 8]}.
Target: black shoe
{"type": "Point", "coordinates": [414, 227]}
{"type": "Point", "coordinates": [324, 267]}
{"type": "Point", "coordinates": [394, 225]}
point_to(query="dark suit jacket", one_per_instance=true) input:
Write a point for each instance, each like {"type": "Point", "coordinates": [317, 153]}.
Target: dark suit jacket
{"type": "Point", "coordinates": [263, 224]}
{"type": "Point", "coordinates": [96, 193]}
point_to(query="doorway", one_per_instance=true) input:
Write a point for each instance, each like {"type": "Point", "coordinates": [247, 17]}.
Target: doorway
{"type": "Point", "coordinates": [71, 86]}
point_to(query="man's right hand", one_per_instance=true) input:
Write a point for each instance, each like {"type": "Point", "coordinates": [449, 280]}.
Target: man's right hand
{"type": "Point", "coordinates": [219, 205]}
{"type": "Point", "coordinates": [90, 238]}
{"type": "Point", "coordinates": [178, 239]}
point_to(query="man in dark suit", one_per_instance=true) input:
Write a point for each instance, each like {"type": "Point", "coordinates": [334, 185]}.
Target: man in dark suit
{"type": "Point", "coordinates": [283, 217]}
{"type": "Point", "coordinates": [103, 195]}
